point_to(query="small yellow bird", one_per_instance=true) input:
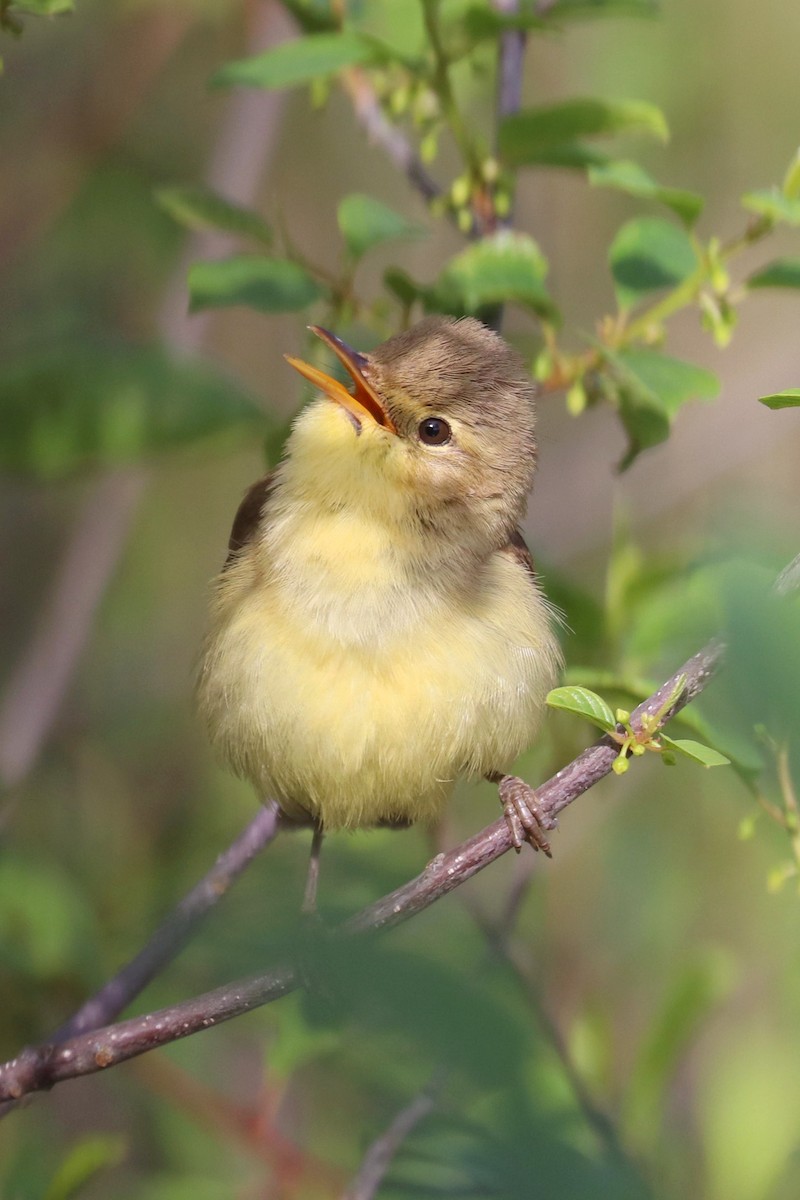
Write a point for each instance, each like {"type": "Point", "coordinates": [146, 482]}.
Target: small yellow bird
{"type": "Point", "coordinates": [377, 631]}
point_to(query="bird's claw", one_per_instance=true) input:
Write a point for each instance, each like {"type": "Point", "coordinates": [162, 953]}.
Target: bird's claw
{"type": "Point", "coordinates": [521, 811]}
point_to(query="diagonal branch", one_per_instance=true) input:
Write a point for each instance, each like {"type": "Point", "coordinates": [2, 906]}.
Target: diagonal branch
{"type": "Point", "coordinates": [38, 1068]}
{"type": "Point", "coordinates": [380, 1154]}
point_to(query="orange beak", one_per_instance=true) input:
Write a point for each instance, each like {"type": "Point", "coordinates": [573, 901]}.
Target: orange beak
{"type": "Point", "coordinates": [364, 401]}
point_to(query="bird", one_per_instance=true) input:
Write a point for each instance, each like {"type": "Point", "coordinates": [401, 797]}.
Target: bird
{"type": "Point", "coordinates": [378, 630]}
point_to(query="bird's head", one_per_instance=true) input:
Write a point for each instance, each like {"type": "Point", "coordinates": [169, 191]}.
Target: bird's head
{"type": "Point", "coordinates": [439, 422]}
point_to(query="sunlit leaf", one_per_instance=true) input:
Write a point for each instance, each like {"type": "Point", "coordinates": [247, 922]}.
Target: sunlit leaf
{"type": "Point", "coordinates": [707, 756]}
{"type": "Point", "coordinates": [790, 398]}
{"type": "Point", "coordinates": [201, 208]}
{"type": "Point", "coordinates": [504, 268]}
{"type": "Point", "coordinates": [365, 222]}
{"type": "Point", "coordinates": [775, 205]}
{"type": "Point", "coordinates": [674, 381]}
{"type": "Point", "coordinates": [297, 62]}
{"type": "Point", "coordinates": [649, 254]}
{"type": "Point", "coordinates": [525, 133]}
{"type": "Point", "coordinates": [79, 407]}
{"type": "Point", "coordinates": [783, 273]}
{"type": "Point", "coordinates": [267, 284]}
{"type": "Point", "coordinates": [582, 703]}
{"type": "Point", "coordinates": [629, 177]}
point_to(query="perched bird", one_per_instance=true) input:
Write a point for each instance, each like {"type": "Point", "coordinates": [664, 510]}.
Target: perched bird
{"type": "Point", "coordinates": [377, 631]}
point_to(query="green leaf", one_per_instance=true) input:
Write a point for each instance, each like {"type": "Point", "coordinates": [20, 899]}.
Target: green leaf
{"type": "Point", "coordinates": [649, 254]}
{"type": "Point", "coordinates": [790, 398]}
{"type": "Point", "coordinates": [402, 286]}
{"type": "Point", "coordinates": [78, 407]}
{"type": "Point", "coordinates": [775, 205]}
{"type": "Point", "coordinates": [784, 272]}
{"type": "Point", "coordinates": [674, 381]}
{"type": "Point", "coordinates": [364, 222]}
{"type": "Point", "coordinates": [482, 24]}
{"type": "Point", "coordinates": [629, 177]}
{"type": "Point", "coordinates": [268, 285]}
{"type": "Point", "coordinates": [200, 208]}
{"type": "Point", "coordinates": [696, 751]}
{"type": "Point", "coordinates": [85, 1160]}
{"type": "Point", "coordinates": [583, 703]}
{"type": "Point", "coordinates": [503, 268]}
{"type": "Point", "coordinates": [525, 133]}
{"type": "Point", "coordinates": [791, 180]}
{"type": "Point", "coordinates": [649, 389]}
{"type": "Point", "coordinates": [42, 8]}
{"type": "Point", "coordinates": [297, 62]}
{"type": "Point", "coordinates": [571, 155]}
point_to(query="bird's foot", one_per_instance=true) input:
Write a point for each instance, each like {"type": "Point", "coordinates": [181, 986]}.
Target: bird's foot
{"type": "Point", "coordinates": [521, 810]}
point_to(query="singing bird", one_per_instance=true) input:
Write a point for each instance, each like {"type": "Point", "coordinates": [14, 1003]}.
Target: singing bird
{"type": "Point", "coordinates": [378, 630]}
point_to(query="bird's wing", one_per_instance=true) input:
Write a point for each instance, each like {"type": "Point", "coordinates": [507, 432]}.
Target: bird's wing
{"type": "Point", "coordinates": [248, 515]}
{"type": "Point", "coordinates": [518, 549]}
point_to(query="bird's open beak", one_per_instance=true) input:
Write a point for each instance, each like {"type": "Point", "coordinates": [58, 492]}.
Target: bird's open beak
{"type": "Point", "coordinates": [365, 401]}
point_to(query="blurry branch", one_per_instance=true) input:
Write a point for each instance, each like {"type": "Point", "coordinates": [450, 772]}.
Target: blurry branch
{"type": "Point", "coordinates": [38, 1068]}
{"type": "Point", "coordinates": [167, 942]}
{"type": "Point", "coordinates": [382, 132]}
{"type": "Point", "coordinates": [36, 688]}
{"type": "Point", "coordinates": [380, 1154]}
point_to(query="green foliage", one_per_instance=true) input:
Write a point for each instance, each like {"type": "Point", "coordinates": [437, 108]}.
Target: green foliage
{"type": "Point", "coordinates": [631, 178]}
{"type": "Point", "coordinates": [783, 273]}
{"type": "Point", "coordinates": [648, 255]}
{"type": "Point", "coordinates": [269, 285]}
{"type": "Point", "coordinates": [200, 208]}
{"type": "Point", "coordinates": [88, 1158]}
{"type": "Point", "coordinates": [297, 62]}
{"type": "Point", "coordinates": [364, 223]}
{"type": "Point", "coordinates": [582, 702]}
{"type": "Point", "coordinates": [79, 407]}
{"type": "Point", "coordinates": [506, 268]}
{"type": "Point", "coordinates": [789, 398]}
{"type": "Point", "coordinates": [527, 134]}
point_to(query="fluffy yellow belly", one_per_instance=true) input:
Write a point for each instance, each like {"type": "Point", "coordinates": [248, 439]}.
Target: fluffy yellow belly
{"type": "Point", "coordinates": [355, 730]}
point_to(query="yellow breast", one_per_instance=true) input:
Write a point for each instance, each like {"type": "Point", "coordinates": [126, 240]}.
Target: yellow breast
{"type": "Point", "coordinates": [355, 684]}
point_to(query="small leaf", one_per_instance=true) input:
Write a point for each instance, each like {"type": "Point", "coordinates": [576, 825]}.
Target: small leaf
{"type": "Point", "coordinates": [266, 284]}
{"type": "Point", "coordinates": [84, 1161]}
{"type": "Point", "coordinates": [790, 398]}
{"type": "Point", "coordinates": [791, 180]}
{"type": "Point", "coordinates": [671, 379]}
{"type": "Point", "coordinates": [784, 272]}
{"type": "Point", "coordinates": [583, 703]}
{"type": "Point", "coordinates": [649, 254]}
{"type": "Point", "coordinates": [504, 268]}
{"type": "Point", "coordinates": [297, 62]}
{"type": "Point", "coordinates": [483, 24]}
{"type": "Point", "coordinates": [571, 155]}
{"type": "Point", "coordinates": [78, 407]}
{"type": "Point", "coordinates": [365, 222]}
{"type": "Point", "coordinates": [631, 178]}
{"type": "Point", "coordinates": [43, 8]}
{"type": "Point", "coordinates": [775, 205]}
{"type": "Point", "coordinates": [200, 208]}
{"type": "Point", "coordinates": [523, 134]}
{"type": "Point", "coordinates": [697, 752]}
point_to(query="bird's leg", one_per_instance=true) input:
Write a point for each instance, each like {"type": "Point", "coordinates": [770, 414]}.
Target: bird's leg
{"type": "Point", "coordinates": [521, 811]}
{"type": "Point", "coordinates": [312, 878]}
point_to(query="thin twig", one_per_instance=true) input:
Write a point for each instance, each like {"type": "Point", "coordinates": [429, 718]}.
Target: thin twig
{"type": "Point", "coordinates": [379, 1156]}
{"type": "Point", "coordinates": [40, 1067]}
{"type": "Point", "coordinates": [167, 942]}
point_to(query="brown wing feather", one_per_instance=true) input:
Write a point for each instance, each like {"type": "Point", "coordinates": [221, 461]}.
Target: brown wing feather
{"type": "Point", "coordinates": [248, 515]}
{"type": "Point", "coordinates": [517, 547]}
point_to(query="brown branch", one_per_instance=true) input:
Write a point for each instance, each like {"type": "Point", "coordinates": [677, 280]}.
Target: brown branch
{"type": "Point", "coordinates": [382, 132]}
{"type": "Point", "coordinates": [167, 942]}
{"type": "Point", "coordinates": [380, 1154]}
{"type": "Point", "coordinates": [38, 1068]}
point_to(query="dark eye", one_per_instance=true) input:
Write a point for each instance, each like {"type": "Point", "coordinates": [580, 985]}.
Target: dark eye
{"type": "Point", "coordinates": [433, 431]}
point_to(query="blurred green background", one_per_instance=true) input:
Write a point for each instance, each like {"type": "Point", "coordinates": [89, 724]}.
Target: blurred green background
{"type": "Point", "coordinates": [652, 953]}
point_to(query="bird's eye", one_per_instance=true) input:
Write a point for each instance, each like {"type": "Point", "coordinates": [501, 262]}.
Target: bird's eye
{"type": "Point", "coordinates": [433, 431]}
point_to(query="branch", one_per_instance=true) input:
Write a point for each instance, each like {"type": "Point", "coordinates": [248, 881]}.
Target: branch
{"type": "Point", "coordinates": [167, 942]}
{"type": "Point", "coordinates": [379, 1156]}
{"type": "Point", "coordinates": [38, 1068]}
{"type": "Point", "coordinates": [383, 133]}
